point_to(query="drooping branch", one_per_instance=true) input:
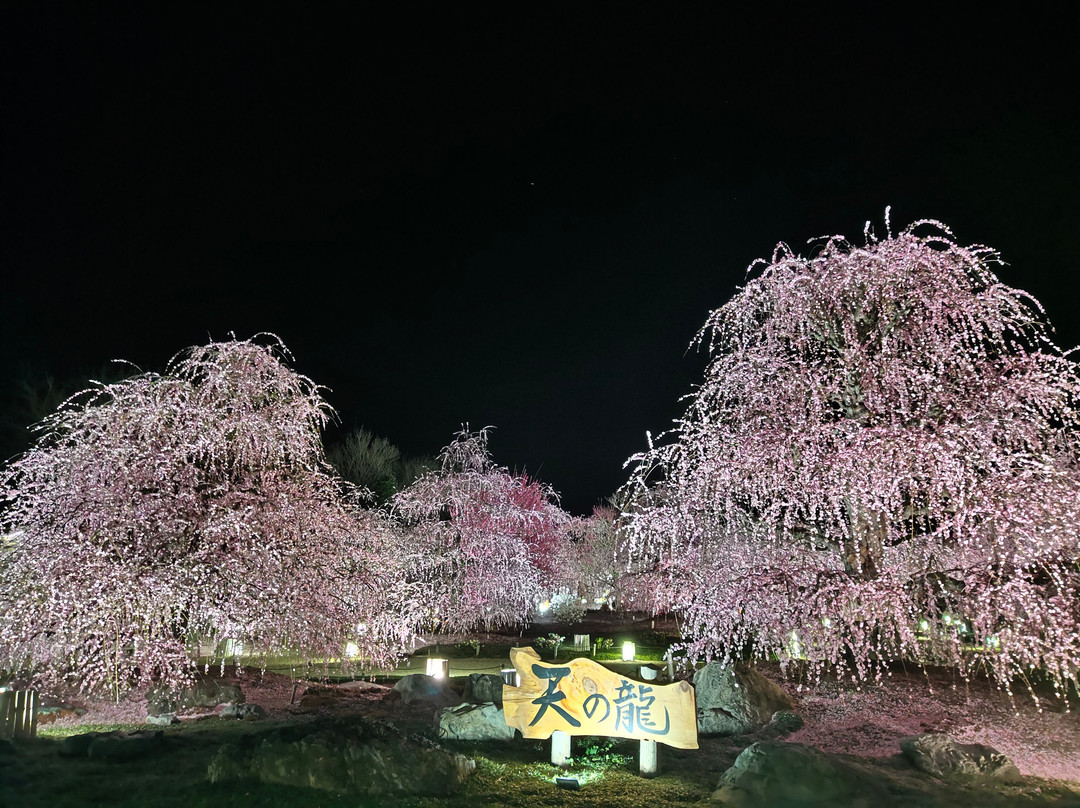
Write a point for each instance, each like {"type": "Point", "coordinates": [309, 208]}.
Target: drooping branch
{"type": "Point", "coordinates": [894, 413]}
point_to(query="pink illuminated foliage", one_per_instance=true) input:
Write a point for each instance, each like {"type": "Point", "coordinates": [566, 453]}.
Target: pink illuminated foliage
{"type": "Point", "coordinates": [487, 543]}
{"type": "Point", "coordinates": [592, 568]}
{"type": "Point", "coordinates": [162, 510]}
{"type": "Point", "coordinates": [882, 462]}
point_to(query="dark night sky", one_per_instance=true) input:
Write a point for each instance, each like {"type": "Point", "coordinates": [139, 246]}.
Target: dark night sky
{"type": "Point", "coordinates": [517, 218]}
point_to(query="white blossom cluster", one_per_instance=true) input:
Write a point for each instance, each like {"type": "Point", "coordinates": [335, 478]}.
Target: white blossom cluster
{"type": "Point", "coordinates": [882, 462]}
{"type": "Point", "coordinates": [165, 509]}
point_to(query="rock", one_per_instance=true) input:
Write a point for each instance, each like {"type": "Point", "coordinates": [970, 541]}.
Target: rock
{"type": "Point", "coordinates": [316, 696]}
{"type": "Point", "coordinates": [354, 757]}
{"type": "Point", "coordinates": [163, 720]}
{"type": "Point", "coordinates": [943, 757]}
{"type": "Point", "coordinates": [484, 687]}
{"type": "Point", "coordinates": [232, 762]}
{"type": "Point", "coordinates": [76, 745]}
{"type": "Point", "coordinates": [784, 722]}
{"type": "Point", "coordinates": [204, 693]}
{"type": "Point", "coordinates": [793, 775]}
{"type": "Point", "coordinates": [335, 696]}
{"type": "Point", "coordinates": [735, 699]}
{"type": "Point", "coordinates": [362, 686]}
{"type": "Point", "coordinates": [242, 711]}
{"type": "Point", "coordinates": [117, 747]}
{"type": "Point", "coordinates": [474, 722]}
{"type": "Point", "coordinates": [49, 715]}
{"type": "Point", "coordinates": [421, 687]}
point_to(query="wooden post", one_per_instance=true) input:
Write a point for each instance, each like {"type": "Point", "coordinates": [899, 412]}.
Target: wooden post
{"type": "Point", "coordinates": [26, 721]}
{"type": "Point", "coordinates": [7, 714]}
{"type": "Point", "coordinates": [18, 714]}
{"type": "Point", "coordinates": [560, 749]}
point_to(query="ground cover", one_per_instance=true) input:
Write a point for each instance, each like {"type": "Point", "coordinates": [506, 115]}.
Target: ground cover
{"type": "Point", "coordinates": [864, 723]}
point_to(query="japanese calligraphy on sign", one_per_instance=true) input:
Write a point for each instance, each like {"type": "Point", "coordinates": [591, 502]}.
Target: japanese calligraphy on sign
{"type": "Point", "coordinates": [582, 697]}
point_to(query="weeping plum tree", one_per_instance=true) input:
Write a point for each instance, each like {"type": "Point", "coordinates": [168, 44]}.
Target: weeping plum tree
{"type": "Point", "coordinates": [591, 567]}
{"type": "Point", "coordinates": [165, 508]}
{"type": "Point", "coordinates": [487, 543]}
{"type": "Point", "coordinates": [883, 461]}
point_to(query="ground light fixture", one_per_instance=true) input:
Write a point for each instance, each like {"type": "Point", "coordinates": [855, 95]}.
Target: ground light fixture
{"type": "Point", "coordinates": [438, 668]}
{"type": "Point", "coordinates": [569, 783]}
{"type": "Point", "coordinates": [628, 652]}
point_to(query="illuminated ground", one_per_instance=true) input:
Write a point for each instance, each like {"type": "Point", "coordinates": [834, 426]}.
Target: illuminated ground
{"type": "Point", "coordinates": [840, 719]}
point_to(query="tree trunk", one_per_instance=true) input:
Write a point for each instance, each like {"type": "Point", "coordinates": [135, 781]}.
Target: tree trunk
{"type": "Point", "coordinates": [865, 541]}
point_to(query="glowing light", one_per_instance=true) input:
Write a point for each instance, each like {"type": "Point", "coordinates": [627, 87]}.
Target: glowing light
{"type": "Point", "coordinates": [438, 668]}
{"type": "Point", "coordinates": [628, 652]}
{"type": "Point", "coordinates": [794, 646]}
{"type": "Point", "coordinates": [352, 649]}
{"type": "Point", "coordinates": [544, 606]}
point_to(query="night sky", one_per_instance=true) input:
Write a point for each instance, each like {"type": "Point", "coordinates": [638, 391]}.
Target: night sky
{"type": "Point", "coordinates": [517, 217]}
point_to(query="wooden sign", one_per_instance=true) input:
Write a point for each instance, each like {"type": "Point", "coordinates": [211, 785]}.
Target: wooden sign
{"type": "Point", "coordinates": [582, 697]}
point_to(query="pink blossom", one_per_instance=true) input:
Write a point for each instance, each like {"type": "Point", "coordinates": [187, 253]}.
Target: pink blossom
{"type": "Point", "coordinates": [882, 461]}
{"type": "Point", "coordinates": [165, 509]}
{"type": "Point", "coordinates": [487, 544]}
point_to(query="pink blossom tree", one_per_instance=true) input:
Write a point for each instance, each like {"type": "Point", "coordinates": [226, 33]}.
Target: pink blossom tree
{"type": "Point", "coordinates": [164, 509]}
{"type": "Point", "coordinates": [592, 568]}
{"type": "Point", "coordinates": [883, 461]}
{"type": "Point", "coordinates": [487, 544]}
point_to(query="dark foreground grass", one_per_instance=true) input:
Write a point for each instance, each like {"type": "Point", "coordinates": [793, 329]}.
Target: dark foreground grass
{"type": "Point", "coordinates": [515, 774]}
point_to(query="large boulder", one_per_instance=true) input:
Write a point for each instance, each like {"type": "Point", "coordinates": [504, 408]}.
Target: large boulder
{"type": "Point", "coordinates": [735, 699]}
{"type": "Point", "coordinates": [793, 775]}
{"type": "Point", "coordinates": [204, 693]}
{"type": "Point", "coordinates": [421, 687]}
{"type": "Point", "coordinates": [941, 756]}
{"type": "Point", "coordinates": [356, 757]}
{"type": "Point", "coordinates": [484, 687]}
{"type": "Point", "coordinates": [474, 722]}
{"type": "Point", "coordinates": [119, 747]}
{"type": "Point", "coordinates": [242, 711]}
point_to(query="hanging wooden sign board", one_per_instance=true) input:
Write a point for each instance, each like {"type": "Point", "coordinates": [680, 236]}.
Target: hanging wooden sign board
{"type": "Point", "coordinates": [582, 697]}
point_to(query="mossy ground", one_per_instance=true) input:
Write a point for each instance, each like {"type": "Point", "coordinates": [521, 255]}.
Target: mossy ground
{"type": "Point", "coordinates": [516, 774]}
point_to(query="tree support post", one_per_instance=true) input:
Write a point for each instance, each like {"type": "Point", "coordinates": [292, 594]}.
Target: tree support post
{"type": "Point", "coordinates": [649, 753]}
{"type": "Point", "coordinates": [560, 749]}
{"type": "Point", "coordinates": [649, 759]}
